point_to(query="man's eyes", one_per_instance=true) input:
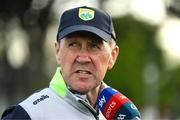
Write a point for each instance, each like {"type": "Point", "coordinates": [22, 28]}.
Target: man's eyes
{"type": "Point", "coordinates": [73, 44]}
{"type": "Point", "coordinates": [89, 45]}
{"type": "Point", "coordinates": [94, 46]}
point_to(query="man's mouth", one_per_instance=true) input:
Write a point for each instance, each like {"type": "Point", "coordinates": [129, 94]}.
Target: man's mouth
{"type": "Point", "coordinates": [83, 72]}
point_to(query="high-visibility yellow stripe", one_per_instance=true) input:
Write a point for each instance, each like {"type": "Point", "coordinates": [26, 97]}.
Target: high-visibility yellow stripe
{"type": "Point", "coordinates": [57, 83]}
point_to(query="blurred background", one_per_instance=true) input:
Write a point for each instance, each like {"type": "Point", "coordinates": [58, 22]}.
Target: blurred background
{"type": "Point", "coordinates": [147, 69]}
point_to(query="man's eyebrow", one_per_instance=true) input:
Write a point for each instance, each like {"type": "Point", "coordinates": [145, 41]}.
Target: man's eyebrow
{"type": "Point", "coordinates": [97, 40]}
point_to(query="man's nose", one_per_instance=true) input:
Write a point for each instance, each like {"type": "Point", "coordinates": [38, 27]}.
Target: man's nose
{"type": "Point", "coordinates": [83, 57]}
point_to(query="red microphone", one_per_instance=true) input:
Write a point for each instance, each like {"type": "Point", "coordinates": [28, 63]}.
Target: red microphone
{"type": "Point", "coordinates": [116, 106]}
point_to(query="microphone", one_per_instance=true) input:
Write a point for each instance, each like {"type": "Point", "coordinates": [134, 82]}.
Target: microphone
{"type": "Point", "coordinates": [116, 106]}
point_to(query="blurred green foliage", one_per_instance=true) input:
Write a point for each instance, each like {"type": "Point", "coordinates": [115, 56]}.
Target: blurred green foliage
{"type": "Point", "coordinates": [137, 48]}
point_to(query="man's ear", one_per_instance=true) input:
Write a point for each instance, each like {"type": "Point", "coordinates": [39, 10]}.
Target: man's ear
{"type": "Point", "coordinates": [57, 50]}
{"type": "Point", "coordinates": [57, 46]}
{"type": "Point", "coordinates": [114, 54]}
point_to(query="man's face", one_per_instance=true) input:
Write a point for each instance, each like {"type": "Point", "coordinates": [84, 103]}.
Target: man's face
{"type": "Point", "coordinates": [84, 59]}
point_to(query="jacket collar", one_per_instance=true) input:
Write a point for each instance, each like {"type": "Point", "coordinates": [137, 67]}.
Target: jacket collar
{"type": "Point", "coordinates": [57, 83]}
{"type": "Point", "coordinates": [79, 101]}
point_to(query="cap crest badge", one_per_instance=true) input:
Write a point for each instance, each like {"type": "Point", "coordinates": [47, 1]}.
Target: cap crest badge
{"type": "Point", "coordinates": [86, 14]}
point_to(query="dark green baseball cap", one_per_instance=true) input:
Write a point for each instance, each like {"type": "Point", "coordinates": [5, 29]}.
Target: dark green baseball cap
{"type": "Point", "coordinates": [86, 19]}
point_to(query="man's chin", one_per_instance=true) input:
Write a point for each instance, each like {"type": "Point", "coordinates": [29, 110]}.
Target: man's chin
{"type": "Point", "coordinates": [79, 91]}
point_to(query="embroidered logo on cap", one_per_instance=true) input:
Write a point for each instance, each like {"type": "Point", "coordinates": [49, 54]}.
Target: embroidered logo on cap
{"type": "Point", "coordinates": [86, 14]}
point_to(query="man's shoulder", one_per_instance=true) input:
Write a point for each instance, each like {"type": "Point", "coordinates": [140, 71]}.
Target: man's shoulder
{"type": "Point", "coordinates": [37, 97]}
{"type": "Point", "coordinates": [20, 111]}
{"type": "Point", "coordinates": [15, 112]}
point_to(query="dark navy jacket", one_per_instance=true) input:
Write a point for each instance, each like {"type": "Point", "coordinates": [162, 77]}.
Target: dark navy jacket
{"type": "Point", "coordinates": [15, 112]}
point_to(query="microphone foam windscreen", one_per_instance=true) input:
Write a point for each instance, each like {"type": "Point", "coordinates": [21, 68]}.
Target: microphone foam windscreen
{"type": "Point", "coordinates": [115, 105]}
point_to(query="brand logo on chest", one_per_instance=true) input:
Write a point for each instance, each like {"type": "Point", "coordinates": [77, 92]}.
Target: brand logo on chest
{"type": "Point", "coordinates": [42, 98]}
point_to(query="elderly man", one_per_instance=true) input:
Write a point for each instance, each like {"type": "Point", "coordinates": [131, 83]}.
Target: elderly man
{"type": "Point", "coordinates": [85, 49]}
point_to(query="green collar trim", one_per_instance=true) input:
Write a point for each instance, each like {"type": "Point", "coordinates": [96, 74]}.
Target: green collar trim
{"type": "Point", "coordinates": [57, 83]}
